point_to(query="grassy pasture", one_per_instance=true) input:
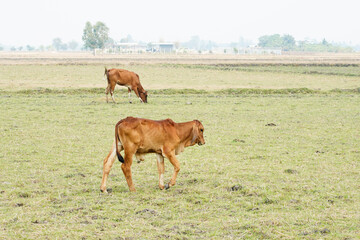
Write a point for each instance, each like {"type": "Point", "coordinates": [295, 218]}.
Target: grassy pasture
{"type": "Point", "coordinates": [180, 76]}
{"type": "Point", "coordinates": [274, 166]}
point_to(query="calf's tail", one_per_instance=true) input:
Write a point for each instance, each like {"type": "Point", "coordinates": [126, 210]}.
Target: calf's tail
{"type": "Point", "coordinates": [117, 140]}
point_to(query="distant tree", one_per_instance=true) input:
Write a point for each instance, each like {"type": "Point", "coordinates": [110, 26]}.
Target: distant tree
{"type": "Point", "coordinates": [194, 42]}
{"type": "Point", "coordinates": [13, 49]}
{"type": "Point", "coordinates": [322, 46]}
{"type": "Point", "coordinates": [1, 48]}
{"type": "Point", "coordinates": [89, 36]}
{"type": "Point", "coordinates": [242, 43]}
{"type": "Point", "coordinates": [110, 43]}
{"type": "Point", "coordinates": [59, 45]}
{"type": "Point", "coordinates": [127, 39]}
{"type": "Point", "coordinates": [30, 48]}
{"type": "Point", "coordinates": [64, 47]}
{"type": "Point", "coordinates": [73, 45]}
{"type": "Point", "coordinates": [95, 36]}
{"type": "Point", "coordinates": [209, 45]}
{"type": "Point", "coordinates": [274, 40]}
{"type": "Point", "coordinates": [288, 42]}
{"type": "Point", "coordinates": [20, 48]}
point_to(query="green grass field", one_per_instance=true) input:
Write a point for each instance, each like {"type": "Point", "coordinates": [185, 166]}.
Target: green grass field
{"type": "Point", "coordinates": [276, 164]}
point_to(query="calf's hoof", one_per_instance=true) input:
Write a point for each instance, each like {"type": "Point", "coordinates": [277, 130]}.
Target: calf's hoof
{"type": "Point", "coordinates": [109, 190]}
{"type": "Point", "coordinates": [167, 186]}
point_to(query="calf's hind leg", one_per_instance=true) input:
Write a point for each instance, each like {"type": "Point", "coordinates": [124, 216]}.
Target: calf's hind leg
{"type": "Point", "coordinates": [126, 167]}
{"type": "Point", "coordinates": [108, 162]}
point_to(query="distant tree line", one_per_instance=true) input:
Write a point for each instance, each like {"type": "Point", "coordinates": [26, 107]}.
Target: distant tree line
{"type": "Point", "coordinates": [57, 45]}
{"type": "Point", "coordinates": [288, 43]}
{"type": "Point", "coordinates": [97, 37]}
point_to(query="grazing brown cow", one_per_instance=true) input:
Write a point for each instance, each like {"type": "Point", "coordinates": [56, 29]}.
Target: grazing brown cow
{"type": "Point", "coordinates": [124, 78]}
{"type": "Point", "coordinates": [139, 136]}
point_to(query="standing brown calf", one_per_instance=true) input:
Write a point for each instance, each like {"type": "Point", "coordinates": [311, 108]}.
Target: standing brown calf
{"type": "Point", "coordinates": [139, 136]}
{"type": "Point", "coordinates": [124, 78]}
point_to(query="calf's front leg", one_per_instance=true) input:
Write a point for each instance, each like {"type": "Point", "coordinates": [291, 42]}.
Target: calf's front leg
{"type": "Point", "coordinates": [161, 169]}
{"type": "Point", "coordinates": [176, 164]}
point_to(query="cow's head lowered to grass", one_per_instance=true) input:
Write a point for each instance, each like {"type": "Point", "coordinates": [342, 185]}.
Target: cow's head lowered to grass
{"type": "Point", "coordinates": [143, 96]}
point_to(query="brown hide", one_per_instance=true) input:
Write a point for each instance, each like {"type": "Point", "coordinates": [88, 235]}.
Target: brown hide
{"type": "Point", "coordinates": [140, 136]}
{"type": "Point", "coordinates": [124, 78]}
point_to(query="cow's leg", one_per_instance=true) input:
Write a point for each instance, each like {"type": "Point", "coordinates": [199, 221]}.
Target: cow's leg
{"type": "Point", "coordinates": [107, 90]}
{"type": "Point", "coordinates": [112, 88]}
{"type": "Point", "coordinates": [161, 169]}
{"type": "Point", "coordinates": [129, 92]}
{"type": "Point", "coordinates": [137, 93]}
{"type": "Point", "coordinates": [126, 166]}
{"type": "Point", "coordinates": [108, 162]}
{"type": "Point", "coordinates": [176, 164]}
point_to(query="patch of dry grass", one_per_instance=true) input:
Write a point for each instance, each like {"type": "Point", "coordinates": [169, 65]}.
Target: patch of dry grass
{"type": "Point", "coordinates": [87, 58]}
{"type": "Point", "coordinates": [14, 77]}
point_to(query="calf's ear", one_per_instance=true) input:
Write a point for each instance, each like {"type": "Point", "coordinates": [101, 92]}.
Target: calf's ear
{"type": "Point", "coordinates": [194, 134]}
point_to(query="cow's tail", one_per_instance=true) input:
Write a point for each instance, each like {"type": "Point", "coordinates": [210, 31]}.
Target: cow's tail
{"type": "Point", "coordinates": [107, 74]}
{"type": "Point", "coordinates": [117, 140]}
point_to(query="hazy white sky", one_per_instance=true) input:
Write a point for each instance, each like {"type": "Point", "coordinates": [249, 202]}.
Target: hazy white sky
{"type": "Point", "coordinates": [38, 22]}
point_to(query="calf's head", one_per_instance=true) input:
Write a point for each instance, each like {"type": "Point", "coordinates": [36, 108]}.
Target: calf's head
{"type": "Point", "coordinates": [198, 133]}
